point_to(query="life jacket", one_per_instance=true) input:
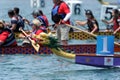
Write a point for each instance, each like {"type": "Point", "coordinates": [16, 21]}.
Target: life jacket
{"type": "Point", "coordinates": [116, 23]}
{"type": "Point", "coordinates": [11, 38]}
{"type": "Point", "coordinates": [91, 23]}
{"type": "Point", "coordinates": [42, 19]}
{"type": "Point", "coordinates": [46, 20]}
{"type": "Point", "coordinates": [55, 16]}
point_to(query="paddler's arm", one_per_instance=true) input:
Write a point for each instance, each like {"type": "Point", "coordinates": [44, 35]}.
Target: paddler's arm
{"type": "Point", "coordinates": [67, 17]}
{"type": "Point", "coordinates": [108, 22]}
{"type": "Point", "coordinates": [116, 30]}
{"type": "Point", "coordinates": [7, 24]}
{"type": "Point", "coordinates": [26, 20]}
{"type": "Point", "coordinates": [81, 23]}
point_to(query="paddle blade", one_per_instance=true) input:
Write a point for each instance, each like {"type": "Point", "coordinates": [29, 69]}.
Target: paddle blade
{"type": "Point", "coordinates": [35, 46]}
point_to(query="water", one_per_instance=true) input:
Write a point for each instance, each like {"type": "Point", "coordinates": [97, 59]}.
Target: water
{"type": "Point", "coordinates": [50, 67]}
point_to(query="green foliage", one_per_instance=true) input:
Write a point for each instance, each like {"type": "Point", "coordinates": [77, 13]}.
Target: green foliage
{"type": "Point", "coordinates": [53, 43]}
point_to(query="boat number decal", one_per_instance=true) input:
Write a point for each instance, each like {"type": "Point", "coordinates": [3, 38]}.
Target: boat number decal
{"type": "Point", "coordinates": [77, 9]}
{"type": "Point", "coordinates": [37, 3]}
{"type": "Point", "coordinates": [105, 45]}
{"type": "Point", "coordinates": [106, 11]}
{"type": "Point", "coordinates": [42, 3]}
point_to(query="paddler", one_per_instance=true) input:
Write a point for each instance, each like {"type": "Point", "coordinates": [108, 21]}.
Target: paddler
{"type": "Point", "coordinates": [7, 37]}
{"type": "Point", "coordinates": [14, 24]}
{"type": "Point", "coordinates": [36, 15]}
{"type": "Point", "coordinates": [43, 16]}
{"type": "Point", "coordinates": [19, 17]}
{"type": "Point", "coordinates": [36, 30]}
{"type": "Point", "coordinates": [115, 20]}
{"type": "Point", "coordinates": [60, 16]}
{"type": "Point", "coordinates": [91, 22]}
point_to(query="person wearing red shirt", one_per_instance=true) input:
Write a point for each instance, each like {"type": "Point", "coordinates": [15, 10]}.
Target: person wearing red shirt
{"type": "Point", "coordinates": [61, 16]}
{"type": "Point", "coordinates": [7, 37]}
{"type": "Point", "coordinates": [36, 30]}
{"type": "Point", "coordinates": [115, 20]}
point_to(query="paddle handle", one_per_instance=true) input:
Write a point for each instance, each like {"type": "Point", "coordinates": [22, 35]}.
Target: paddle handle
{"type": "Point", "coordinates": [81, 30]}
{"type": "Point", "coordinates": [35, 45]}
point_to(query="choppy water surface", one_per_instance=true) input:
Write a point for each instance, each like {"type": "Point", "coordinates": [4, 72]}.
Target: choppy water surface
{"type": "Point", "coordinates": [50, 67]}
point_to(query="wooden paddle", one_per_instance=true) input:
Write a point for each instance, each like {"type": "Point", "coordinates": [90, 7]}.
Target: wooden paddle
{"type": "Point", "coordinates": [33, 43]}
{"type": "Point", "coordinates": [94, 35]}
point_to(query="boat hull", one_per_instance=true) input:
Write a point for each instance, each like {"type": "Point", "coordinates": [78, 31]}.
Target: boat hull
{"type": "Point", "coordinates": [98, 60]}
{"type": "Point", "coordinates": [78, 49]}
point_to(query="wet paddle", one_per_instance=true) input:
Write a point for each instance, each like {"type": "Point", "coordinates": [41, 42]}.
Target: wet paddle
{"type": "Point", "coordinates": [94, 35]}
{"type": "Point", "coordinates": [33, 43]}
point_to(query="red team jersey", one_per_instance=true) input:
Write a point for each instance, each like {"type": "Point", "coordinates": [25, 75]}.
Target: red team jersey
{"type": "Point", "coordinates": [116, 23]}
{"type": "Point", "coordinates": [3, 37]}
{"type": "Point", "coordinates": [64, 9]}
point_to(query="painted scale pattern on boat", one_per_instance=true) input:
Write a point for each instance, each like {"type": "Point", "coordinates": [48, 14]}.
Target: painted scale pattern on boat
{"type": "Point", "coordinates": [77, 49]}
{"type": "Point", "coordinates": [46, 50]}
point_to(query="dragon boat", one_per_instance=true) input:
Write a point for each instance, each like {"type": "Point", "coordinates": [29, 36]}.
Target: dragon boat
{"type": "Point", "coordinates": [84, 54]}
